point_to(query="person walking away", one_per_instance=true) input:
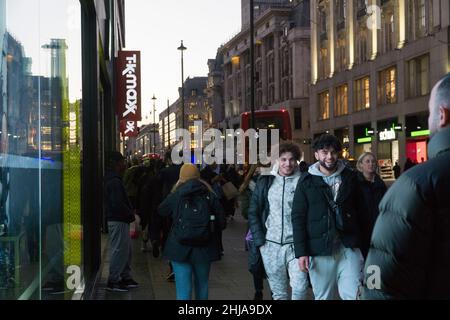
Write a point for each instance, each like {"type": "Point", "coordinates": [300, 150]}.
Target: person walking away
{"type": "Point", "coordinates": [325, 224]}
{"type": "Point", "coordinates": [270, 223]}
{"type": "Point", "coordinates": [410, 243]}
{"type": "Point", "coordinates": [372, 191]}
{"type": "Point", "coordinates": [119, 214]}
{"type": "Point", "coordinates": [193, 242]}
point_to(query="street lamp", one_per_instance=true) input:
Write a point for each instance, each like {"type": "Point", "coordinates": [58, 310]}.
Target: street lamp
{"type": "Point", "coordinates": [252, 65]}
{"type": "Point", "coordinates": [168, 123]}
{"type": "Point", "coordinates": [182, 48]}
{"type": "Point", "coordinates": [154, 123]}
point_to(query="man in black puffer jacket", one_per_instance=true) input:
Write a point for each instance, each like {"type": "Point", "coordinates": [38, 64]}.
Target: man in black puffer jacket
{"type": "Point", "coordinates": [409, 256]}
{"type": "Point", "coordinates": [326, 239]}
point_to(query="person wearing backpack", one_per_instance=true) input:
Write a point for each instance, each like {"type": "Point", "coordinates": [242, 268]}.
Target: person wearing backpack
{"type": "Point", "coordinates": [193, 242]}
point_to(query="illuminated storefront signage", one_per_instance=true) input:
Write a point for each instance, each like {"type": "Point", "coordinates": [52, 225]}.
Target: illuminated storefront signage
{"type": "Point", "coordinates": [420, 133]}
{"type": "Point", "coordinates": [364, 140]}
{"type": "Point", "coordinates": [387, 135]}
{"type": "Point", "coordinates": [128, 91]}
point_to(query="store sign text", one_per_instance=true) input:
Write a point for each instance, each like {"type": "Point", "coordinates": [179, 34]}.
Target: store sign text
{"type": "Point", "coordinates": [387, 135]}
{"type": "Point", "coordinates": [128, 91]}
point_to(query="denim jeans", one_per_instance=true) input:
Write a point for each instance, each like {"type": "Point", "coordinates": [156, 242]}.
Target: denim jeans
{"type": "Point", "coordinates": [184, 272]}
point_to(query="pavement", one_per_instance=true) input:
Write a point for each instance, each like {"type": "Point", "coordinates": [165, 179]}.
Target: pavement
{"type": "Point", "coordinates": [229, 278]}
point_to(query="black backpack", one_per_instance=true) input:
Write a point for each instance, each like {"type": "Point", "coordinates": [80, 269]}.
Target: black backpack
{"type": "Point", "coordinates": [193, 226]}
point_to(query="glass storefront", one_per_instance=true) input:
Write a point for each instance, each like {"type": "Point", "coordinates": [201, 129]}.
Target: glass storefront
{"type": "Point", "coordinates": [40, 149]}
{"type": "Point", "coordinates": [364, 135]}
{"type": "Point", "coordinates": [388, 147]}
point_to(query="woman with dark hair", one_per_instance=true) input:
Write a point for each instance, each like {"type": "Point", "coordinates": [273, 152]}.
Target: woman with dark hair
{"type": "Point", "coordinates": [373, 190]}
{"type": "Point", "coordinates": [193, 242]}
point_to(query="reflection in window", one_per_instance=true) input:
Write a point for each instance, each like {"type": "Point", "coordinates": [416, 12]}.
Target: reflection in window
{"type": "Point", "coordinates": [40, 146]}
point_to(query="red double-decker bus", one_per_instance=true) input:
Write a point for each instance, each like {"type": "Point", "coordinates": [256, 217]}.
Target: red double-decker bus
{"type": "Point", "coordinates": [268, 119]}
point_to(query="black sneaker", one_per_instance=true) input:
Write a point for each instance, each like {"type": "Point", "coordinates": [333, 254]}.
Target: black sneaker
{"type": "Point", "coordinates": [129, 283]}
{"type": "Point", "coordinates": [116, 286]}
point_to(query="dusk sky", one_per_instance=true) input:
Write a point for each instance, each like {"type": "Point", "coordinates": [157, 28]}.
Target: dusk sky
{"type": "Point", "coordinates": [156, 27]}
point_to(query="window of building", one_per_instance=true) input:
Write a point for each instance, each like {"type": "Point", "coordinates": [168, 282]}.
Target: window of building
{"type": "Point", "coordinates": [298, 118]}
{"type": "Point", "coordinates": [421, 15]}
{"type": "Point", "coordinates": [362, 94]}
{"type": "Point", "coordinates": [387, 92]}
{"type": "Point", "coordinates": [418, 76]}
{"type": "Point", "coordinates": [361, 45]}
{"type": "Point", "coordinates": [341, 56]}
{"type": "Point", "coordinates": [389, 32]}
{"type": "Point", "coordinates": [341, 101]}
{"type": "Point", "coordinates": [41, 131]}
{"type": "Point", "coordinates": [323, 63]}
{"type": "Point", "coordinates": [324, 106]}
{"type": "Point", "coordinates": [341, 8]}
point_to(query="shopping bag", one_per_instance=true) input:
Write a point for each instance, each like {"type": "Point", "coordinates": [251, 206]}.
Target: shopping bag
{"type": "Point", "coordinates": [134, 232]}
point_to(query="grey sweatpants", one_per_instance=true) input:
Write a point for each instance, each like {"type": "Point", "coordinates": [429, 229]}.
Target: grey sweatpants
{"type": "Point", "coordinates": [282, 269]}
{"type": "Point", "coordinates": [120, 248]}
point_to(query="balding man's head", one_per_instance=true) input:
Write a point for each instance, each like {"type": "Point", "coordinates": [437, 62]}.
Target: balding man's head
{"type": "Point", "coordinates": [439, 105]}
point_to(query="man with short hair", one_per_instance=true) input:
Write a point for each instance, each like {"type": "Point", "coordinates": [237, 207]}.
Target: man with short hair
{"type": "Point", "coordinates": [119, 213]}
{"type": "Point", "coordinates": [324, 220]}
{"type": "Point", "coordinates": [269, 217]}
{"type": "Point", "coordinates": [410, 246]}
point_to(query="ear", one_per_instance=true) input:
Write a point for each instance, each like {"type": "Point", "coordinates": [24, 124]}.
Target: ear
{"type": "Point", "coordinates": [444, 116]}
{"type": "Point", "coordinates": [316, 154]}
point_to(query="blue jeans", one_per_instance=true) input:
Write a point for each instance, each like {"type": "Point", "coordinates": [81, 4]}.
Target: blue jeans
{"type": "Point", "coordinates": [183, 280]}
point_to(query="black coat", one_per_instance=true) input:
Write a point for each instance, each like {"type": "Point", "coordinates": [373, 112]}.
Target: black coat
{"type": "Point", "coordinates": [173, 250]}
{"type": "Point", "coordinates": [313, 221]}
{"type": "Point", "coordinates": [117, 205]}
{"type": "Point", "coordinates": [258, 210]}
{"type": "Point", "coordinates": [411, 240]}
{"type": "Point", "coordinates": [371, 195]}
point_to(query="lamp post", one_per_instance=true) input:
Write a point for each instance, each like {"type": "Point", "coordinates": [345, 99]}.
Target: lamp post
{"type": "Point", "coordinates": [182, 48]}
{"type": "Point", "coordinates": [154, 123]}
{"type": "Point", "coordinates": [252, 65]}
{"type": "Point", "coordinates": [168, 123]}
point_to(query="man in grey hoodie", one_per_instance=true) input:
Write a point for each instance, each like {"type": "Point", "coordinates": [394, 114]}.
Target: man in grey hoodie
{"type": "Point", "coordinates": [325, 228]}
{"type": "Point", "coordinates": [269, 218]}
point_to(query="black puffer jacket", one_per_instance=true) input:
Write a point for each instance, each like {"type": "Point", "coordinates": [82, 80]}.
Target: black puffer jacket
{"type": "Point", "coordinates": [313, 221]}
{"type": "Point", "coordinates": [411, 240]}
{"type": "Point", "coordinates": [371, 195]}
{"type": "Point", "coordinates": [258, 210]}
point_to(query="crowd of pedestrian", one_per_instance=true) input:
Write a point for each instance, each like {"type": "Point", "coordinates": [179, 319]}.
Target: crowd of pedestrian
{"type": "Point", "coordinates": [322, 226]}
